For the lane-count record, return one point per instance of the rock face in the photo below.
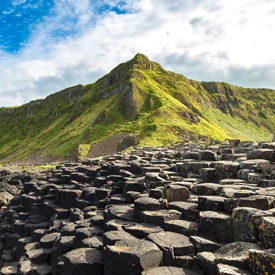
(152, 211)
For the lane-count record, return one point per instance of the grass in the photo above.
(137, 97)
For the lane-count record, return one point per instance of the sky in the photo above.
(49, 45)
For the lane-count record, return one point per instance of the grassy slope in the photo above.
(138, 97)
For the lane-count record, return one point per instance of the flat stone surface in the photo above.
(189, 210)
(172, 244)
(83, 261)
(171, 270)
(184, 227)
(223, 269)
(38, 256)
(111, 237)
(203, 244)
(83, 233)
(48, 240)
(159, 217)
(235, 254)
(123, 212)
(117, 224)
(142, 230)
(135, 253)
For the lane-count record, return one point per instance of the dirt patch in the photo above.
(106, 147)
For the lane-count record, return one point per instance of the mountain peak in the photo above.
(143, 61)
(141, 57)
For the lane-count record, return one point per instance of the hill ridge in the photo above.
(138, 97)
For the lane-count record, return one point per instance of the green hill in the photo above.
(138, 97)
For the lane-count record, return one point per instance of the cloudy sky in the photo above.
(48, 45)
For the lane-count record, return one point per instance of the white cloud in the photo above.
(18, 2)
(228, 41)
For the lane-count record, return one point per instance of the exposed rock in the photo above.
(141, 213)
(262, 261)
(83, 261)
(127, 141)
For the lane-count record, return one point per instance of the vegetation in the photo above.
(138, 97)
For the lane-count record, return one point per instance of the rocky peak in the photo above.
(143, 61)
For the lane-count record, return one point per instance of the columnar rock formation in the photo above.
(176, 210)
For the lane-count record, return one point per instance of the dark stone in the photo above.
(205, 189)
(68, 229)
(134, 184)
(68, 197)
(175, 192)
(123, 212)
(159, 217)
(262, 261)
(189, 210)
(267, 232)
(39, 256)
(211, 203)
(206, 155)
(216, 226)
(83, 261)
(101, 194)
(172, 244)
(246, 222)
(267, 154)
(155, 193)
(20, 248)
(136, 254)
(203, 244)
(83, 233)
(93, 242)
(224, 269)
(117, 224)
(48, 240)
(235, 254)
(184, 227)
(226, 169)
(111, 237)
(146, 204)
(171, 270)
(76, 215)
(142, 230)
(207, 174)
(207, 263)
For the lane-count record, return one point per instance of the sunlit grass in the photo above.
(137, 97)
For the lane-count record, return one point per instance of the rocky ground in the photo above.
(179, 210)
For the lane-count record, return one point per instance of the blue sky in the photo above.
(48, 45)
(18, 20)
